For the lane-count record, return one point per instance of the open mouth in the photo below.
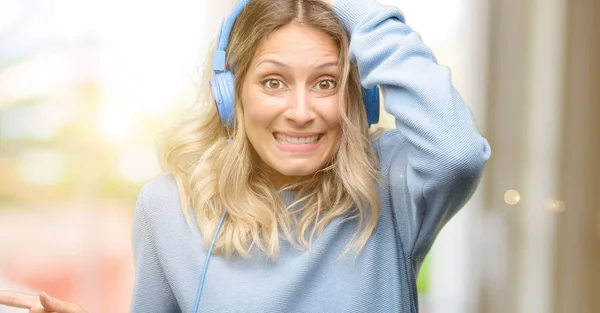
(285, 139)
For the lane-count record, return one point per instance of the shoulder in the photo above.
(161, 186)
(159, 198)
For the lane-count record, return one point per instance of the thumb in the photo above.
(55, 305)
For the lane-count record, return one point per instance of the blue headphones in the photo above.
(223, 88)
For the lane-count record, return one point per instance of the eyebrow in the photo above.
(279, 64)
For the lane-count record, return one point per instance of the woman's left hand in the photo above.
(38, 304)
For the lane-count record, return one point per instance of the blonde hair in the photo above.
(214, 176)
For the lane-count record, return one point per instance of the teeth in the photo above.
(296, 140)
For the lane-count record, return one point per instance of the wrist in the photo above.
(354, 13)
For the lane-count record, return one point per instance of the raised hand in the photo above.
(38, 304)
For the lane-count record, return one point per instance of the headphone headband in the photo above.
(219, 57)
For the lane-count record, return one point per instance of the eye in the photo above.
(273, 84)
(326, 84)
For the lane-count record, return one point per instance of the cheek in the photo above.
(259, 113)
(253, 107)
(329, 109)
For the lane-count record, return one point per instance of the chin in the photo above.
(297, 171)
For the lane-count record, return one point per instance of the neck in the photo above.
(279, 180)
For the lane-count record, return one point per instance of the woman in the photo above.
(302, 207)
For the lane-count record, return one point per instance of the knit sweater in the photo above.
(430, 166)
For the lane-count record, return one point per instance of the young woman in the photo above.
(297, 205)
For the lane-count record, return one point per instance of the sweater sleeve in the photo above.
(151, 292)
(434, 159)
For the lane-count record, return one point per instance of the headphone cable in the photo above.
(212, 244)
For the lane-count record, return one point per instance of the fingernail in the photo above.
(47, 296)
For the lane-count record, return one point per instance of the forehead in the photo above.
(298, 42)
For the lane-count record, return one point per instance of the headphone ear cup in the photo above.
(371, 100)
(223, 90)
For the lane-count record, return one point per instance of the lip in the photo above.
(297, 134)
(301, 148)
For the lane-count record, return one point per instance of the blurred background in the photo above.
(86, 85)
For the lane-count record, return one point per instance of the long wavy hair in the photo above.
(213, 175)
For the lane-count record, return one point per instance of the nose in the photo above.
(300, 109)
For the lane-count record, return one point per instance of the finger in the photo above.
(38, 310)
(56, 305)
(18, 300)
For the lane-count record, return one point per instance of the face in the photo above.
(290, 100)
